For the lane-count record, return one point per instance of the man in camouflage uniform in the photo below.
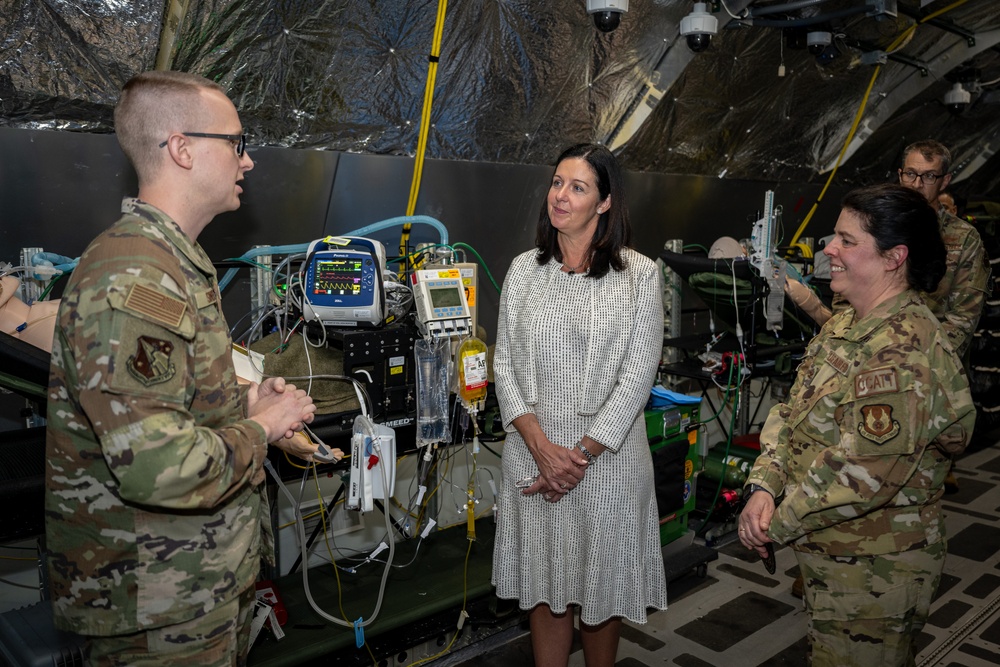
(959, 299)
(960, 296)
(857, 459)
(155, 510)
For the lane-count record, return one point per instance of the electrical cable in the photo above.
(746, 11)
(425, 122)
(462, 615)
(360, 623)
(8, 582)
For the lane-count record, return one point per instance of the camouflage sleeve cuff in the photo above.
(245, 400)
(769, 480)
(259, 430)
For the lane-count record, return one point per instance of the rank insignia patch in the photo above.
(877, 424)
(151, 362)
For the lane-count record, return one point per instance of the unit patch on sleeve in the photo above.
(151, 362)
(877, 423)
(873, 383)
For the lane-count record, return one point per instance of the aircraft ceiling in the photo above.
(518, 80)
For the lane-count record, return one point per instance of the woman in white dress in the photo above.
(579, 338)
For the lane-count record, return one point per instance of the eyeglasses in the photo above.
(239, 141)
(929, 177)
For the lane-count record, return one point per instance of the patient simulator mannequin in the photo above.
(33, 324)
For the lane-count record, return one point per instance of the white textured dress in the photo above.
(581, 354)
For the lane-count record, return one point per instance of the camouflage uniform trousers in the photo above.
(220, 638)
(866, 611)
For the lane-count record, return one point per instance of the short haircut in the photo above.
(930, 149)
(151, 106)
(894, 216)
(613, 228)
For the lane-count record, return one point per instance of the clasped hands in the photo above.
(284, 410)
(560, 470)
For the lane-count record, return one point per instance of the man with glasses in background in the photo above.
(959, 299)
(156, 512)
(960, 296)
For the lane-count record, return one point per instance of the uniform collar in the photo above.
(192, 250)
(856, 330)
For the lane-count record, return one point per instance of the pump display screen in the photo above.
(337, 277)
(448, 297)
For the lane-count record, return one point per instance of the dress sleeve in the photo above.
(509, 395)
(617, 414)
(902, 403)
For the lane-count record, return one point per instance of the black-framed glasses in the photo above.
(929, 177)
(239, 141)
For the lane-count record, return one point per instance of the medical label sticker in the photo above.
(475, 370)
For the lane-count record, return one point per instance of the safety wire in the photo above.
(425, 124)
(905, 35)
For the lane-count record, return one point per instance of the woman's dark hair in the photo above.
(894, 216)
(613, 229)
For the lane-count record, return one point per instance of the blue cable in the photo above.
(363, 231)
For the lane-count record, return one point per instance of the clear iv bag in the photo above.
(432, 357)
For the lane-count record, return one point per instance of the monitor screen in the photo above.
(337, 276)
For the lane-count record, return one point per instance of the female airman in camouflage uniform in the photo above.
(852, 466)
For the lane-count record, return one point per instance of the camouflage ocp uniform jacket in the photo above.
(153, 512)
(857, 456)
(959, 299)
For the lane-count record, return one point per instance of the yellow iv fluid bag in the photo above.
(472, 377)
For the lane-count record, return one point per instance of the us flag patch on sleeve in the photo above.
(155, 305)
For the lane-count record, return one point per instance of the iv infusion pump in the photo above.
(343, 283)
(442, 309)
